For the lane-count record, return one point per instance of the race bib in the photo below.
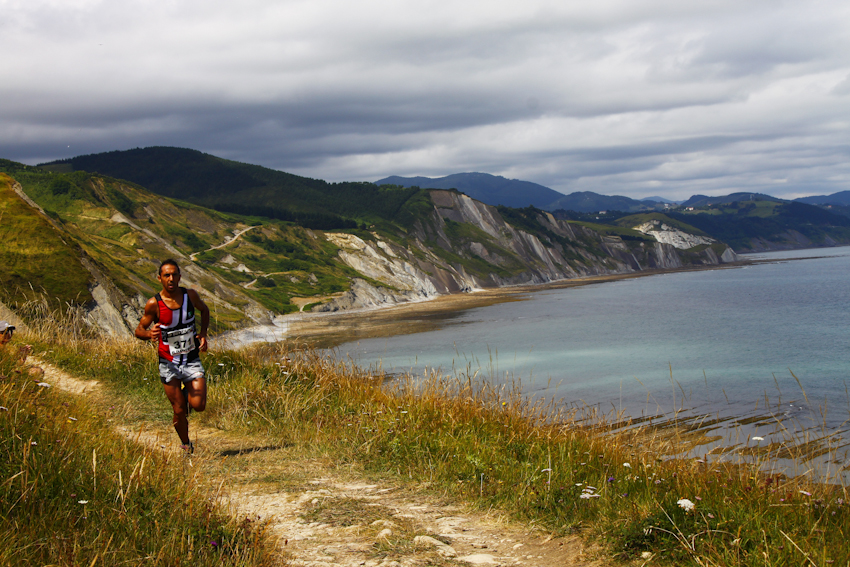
(180, 341)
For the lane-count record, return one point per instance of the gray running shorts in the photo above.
(169, 371)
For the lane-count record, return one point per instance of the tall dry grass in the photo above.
(75, 492)
(567, 471)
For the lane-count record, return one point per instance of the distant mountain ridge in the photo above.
(840, 198)
(664, 200)
(747, 221)
(704, 200)
(590, 202)
(497, 190)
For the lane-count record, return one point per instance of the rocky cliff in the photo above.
(465, 245)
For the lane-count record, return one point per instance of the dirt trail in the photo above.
(324, 515)
(226, 242)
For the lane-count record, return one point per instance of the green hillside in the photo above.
(698, 201)
(34, 257)
(230, 186)
(124, 231)
(637, 220)
(745, 224)
(589, 202)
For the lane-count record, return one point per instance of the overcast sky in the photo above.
(627, 97)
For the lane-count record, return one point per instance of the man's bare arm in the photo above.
(199, 304)
(148, 317)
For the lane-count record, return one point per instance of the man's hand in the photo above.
(155, 332)
(202, 343)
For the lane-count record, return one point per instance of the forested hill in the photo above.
(747, 222)
(230, 186)
(491, 189)
(768, 224)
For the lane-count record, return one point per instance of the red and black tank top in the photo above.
(177, 342)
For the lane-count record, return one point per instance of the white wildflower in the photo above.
(758, 438)
(44, 384)
(627, 465)
(685, 504)
(588, 493)
(82, 501)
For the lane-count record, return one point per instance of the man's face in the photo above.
(169, 277)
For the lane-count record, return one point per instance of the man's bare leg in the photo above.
(178, 404)
(196, 393)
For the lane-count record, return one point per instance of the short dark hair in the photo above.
(171, 262)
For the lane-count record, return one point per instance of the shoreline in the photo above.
(329, 330)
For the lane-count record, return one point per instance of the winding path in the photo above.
(326, 514)
(229, 240)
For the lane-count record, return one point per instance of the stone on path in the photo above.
(480, 559)
(442, 548)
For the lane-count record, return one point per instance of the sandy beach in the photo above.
(327, 330)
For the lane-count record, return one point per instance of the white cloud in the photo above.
(611, 96)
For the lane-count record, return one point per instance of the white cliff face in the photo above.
(545, 262)
(670, 235)
(103, 315)
(379, 262)
(729, 255)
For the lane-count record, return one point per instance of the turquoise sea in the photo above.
(722, 342)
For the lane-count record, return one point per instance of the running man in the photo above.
(172, 312)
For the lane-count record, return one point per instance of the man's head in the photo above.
(169, 262)
(169, 275)
(6, 331)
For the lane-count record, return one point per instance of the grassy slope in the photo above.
(636, 220)
(77, 493)
(739, 223)
(495, 450)
(33, 253)
(283, 257)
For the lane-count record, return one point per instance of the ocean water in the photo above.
(770, 337)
